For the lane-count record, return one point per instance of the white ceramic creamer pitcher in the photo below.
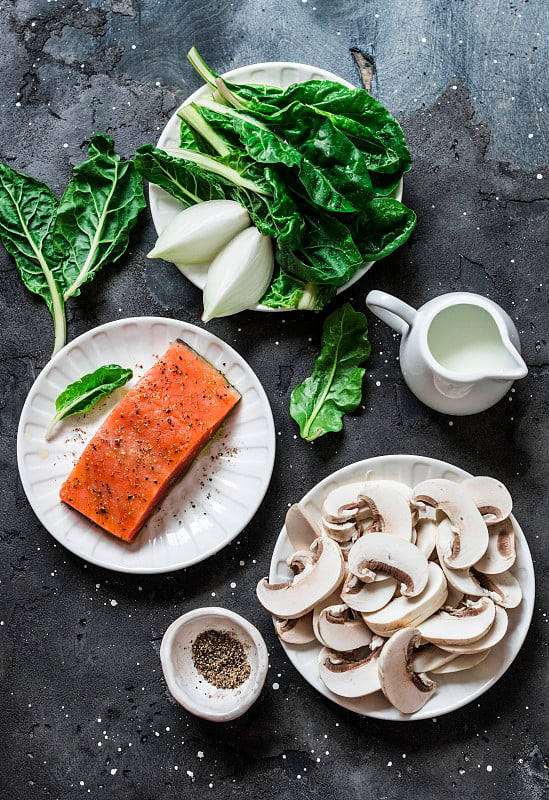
(460, 352)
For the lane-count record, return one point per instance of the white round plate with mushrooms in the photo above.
(445, 586)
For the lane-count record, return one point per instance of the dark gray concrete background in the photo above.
(85, 711)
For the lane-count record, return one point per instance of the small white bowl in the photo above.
(189, 687)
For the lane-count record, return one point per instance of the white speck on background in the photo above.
(200, 754)
(539, 176)
(114, 771)
(276, 686)
(488, 768)
(114, 603)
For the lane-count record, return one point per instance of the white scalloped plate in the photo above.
(164, 207)
(206, 508)
(454, 690)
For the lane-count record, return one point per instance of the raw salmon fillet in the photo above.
(148, 440)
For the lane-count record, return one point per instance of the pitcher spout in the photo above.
(514, 367)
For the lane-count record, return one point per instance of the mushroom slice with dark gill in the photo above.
(406, 690)
(392, 557)
(352, 674)
(296, 631)
(342, 629)
(470, 534)
(462, 626)
(490, 496)
(317, 580)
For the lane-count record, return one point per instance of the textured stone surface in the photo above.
(85, 711)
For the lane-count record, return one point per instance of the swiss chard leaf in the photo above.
(320, 142)
(346, 106)
(335, 386)
(381, 227)
(84, 393)
(287, 292)
(327, 254)
(183, 180)
(96, 213)
(267, 147)
(27, 217)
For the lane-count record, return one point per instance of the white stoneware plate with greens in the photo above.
(453, 690)
(164, 207)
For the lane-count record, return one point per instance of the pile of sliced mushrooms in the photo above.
(398, 582)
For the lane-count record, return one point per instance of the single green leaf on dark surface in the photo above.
(182, 179)
(84, 393)
(384, 225)
(335, 386)
(96, 213)
(27, 217)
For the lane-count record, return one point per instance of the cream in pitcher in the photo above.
(460, 352)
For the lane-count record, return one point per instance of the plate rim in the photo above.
(270, 439)
(156, 192)
(524, 626)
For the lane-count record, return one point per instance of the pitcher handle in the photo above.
(391, 310)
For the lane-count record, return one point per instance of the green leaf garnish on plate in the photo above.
(84, 393)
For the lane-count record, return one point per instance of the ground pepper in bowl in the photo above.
(221, 659)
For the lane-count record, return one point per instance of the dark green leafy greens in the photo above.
(315, 166)
(59, 247)
(27, 217)
(84, 393)
(96, 213)
(335, 386)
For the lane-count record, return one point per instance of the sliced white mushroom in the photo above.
(428, 657)
(342, 503)
(317, 580)
(301, 528)
(494, 635)
(333, 599)
(404, 612)
(296, 631)
(341, 531)
(390, 510)
(392, 557)
(460, 663)
(500, 555)
(341, 629)
(470, 534)
(462, 580)
(350, 674)
(490, 496)
(504, 589)
(462, 626)
(426, 532)
(367, 597)
(407, 690)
